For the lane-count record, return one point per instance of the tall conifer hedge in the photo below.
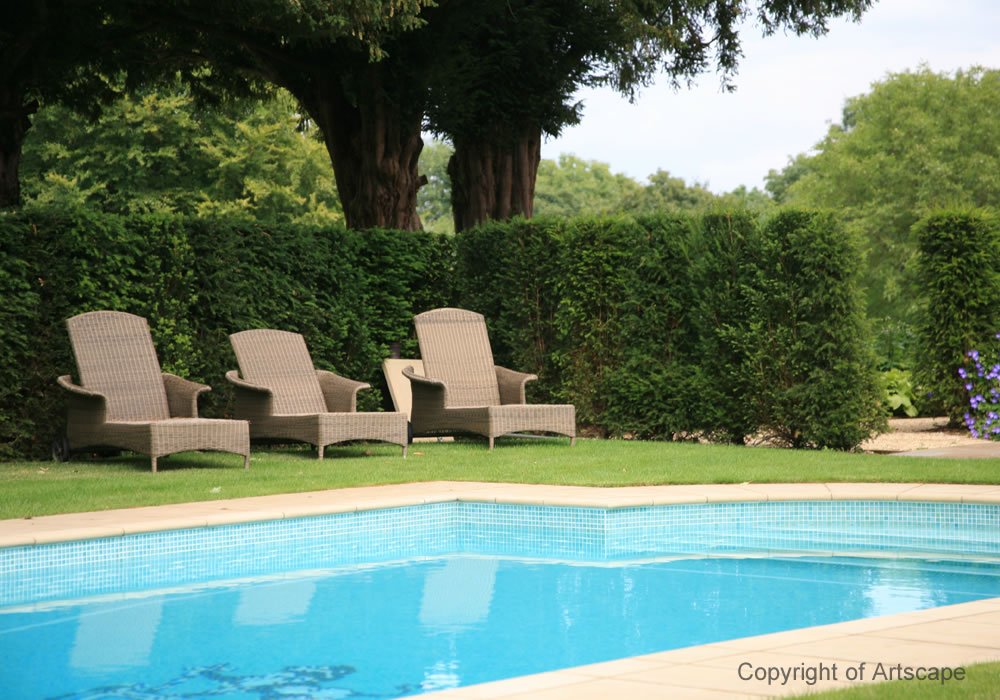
(663, 327)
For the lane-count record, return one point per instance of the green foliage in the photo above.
(592, 292)
(813, 375)
(162, 151)
(900, 393)
(894, 343)
(434, 198)
(572, 187)
(760, 204)
(662, 327)
(728, 254)
(668, 194)
(652, 392)
(568, 187)
(957, 270)
(918, 141)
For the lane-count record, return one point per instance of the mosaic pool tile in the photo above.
(150, 560)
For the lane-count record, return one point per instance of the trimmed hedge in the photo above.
(811, 374)
(957, 268)
(197, 281)
(664, 327)
(669, 327)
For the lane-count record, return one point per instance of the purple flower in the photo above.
(968, 386)
(974, 354)
(962, 373)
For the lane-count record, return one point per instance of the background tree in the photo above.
(434, 198)
(917, 141)
(669, 194)
(161, 151)
(572, 186)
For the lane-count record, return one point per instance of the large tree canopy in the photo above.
(326, 52)
(514, 66)
(334, 56)
(917, 141)
(491, 76)
(46, 50)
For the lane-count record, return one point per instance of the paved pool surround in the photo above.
(946, 637)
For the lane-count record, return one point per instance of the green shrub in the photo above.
(813, 374)
(651, 393)
(662, 327)
(901, 399)
(728, 256)
(959, 280)
(592, 293)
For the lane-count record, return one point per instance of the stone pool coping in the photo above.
(950, 636)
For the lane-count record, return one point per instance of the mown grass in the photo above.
(982, 682)
(30, 489)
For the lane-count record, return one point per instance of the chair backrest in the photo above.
(280, 361)
(455, 349)
(115, 356)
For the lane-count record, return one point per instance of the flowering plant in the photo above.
(982, 382)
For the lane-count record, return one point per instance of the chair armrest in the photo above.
(87, 409)
(182, 395)
(66, 382)
(512, 384)
(252, 400)
(426, 391)
(340, 393)
(233, 376)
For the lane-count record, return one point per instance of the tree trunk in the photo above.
(14, 125)
(374, 143)
(494, 179)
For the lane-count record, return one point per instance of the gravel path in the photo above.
(906, 434)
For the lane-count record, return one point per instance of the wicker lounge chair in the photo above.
(125, 401)
(463, 391)
(284, 396)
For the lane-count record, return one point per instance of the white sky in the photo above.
(789, 89)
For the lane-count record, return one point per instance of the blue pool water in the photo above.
(402, 601)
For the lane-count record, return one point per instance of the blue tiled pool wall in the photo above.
(153, 560)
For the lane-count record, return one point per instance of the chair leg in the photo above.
(572, 441)
(491, 443)
(60, 448)
(246, 461)
(319, 452)
(153, 459)
(404, 451)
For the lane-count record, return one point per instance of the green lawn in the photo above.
(85, 484)
(982, 681)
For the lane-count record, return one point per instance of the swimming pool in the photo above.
(254, 578)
